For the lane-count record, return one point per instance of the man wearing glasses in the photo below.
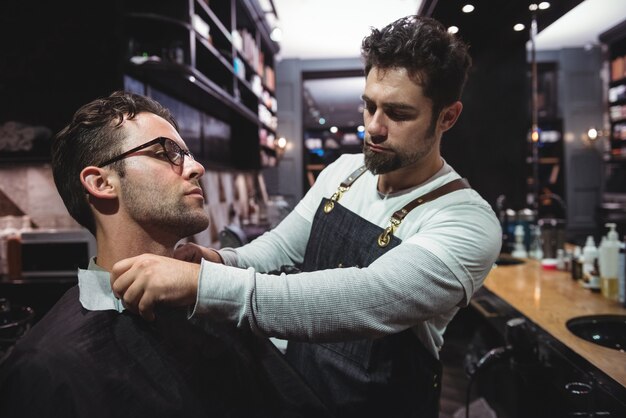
(125, 174)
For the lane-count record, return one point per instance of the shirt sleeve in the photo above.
(387, 297)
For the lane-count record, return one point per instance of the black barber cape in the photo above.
(80, 363)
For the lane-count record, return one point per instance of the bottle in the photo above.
(560, 259)
(536, 250)
(590, 264)
(567, 260)
(7, 230)
(519, 249)
(577, 263)
(609, 262)
(602, 248)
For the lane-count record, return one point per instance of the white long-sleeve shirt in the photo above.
(448, 247)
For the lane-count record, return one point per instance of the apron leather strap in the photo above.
(344, 187)
(399, 215)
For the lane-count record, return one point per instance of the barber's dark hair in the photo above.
(94, 135)
(433, 57)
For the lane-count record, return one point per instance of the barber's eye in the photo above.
(398, 116)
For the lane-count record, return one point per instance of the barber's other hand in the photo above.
(194, 253)
(146, 280)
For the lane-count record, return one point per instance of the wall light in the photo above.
(333, 129)
(281, 142)
(593, 134)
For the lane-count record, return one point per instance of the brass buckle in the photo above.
(385, 237)
(330, 205)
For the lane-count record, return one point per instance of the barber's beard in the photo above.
(150, 208)
(386, 162)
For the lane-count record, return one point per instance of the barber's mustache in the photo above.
(375, 139)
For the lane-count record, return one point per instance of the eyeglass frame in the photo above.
(159, 140)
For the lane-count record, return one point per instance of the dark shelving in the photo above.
(75, 52)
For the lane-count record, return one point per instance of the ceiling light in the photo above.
(532, 7)
(468, 8)
(544, 5)
(322, 121)
(277, 34)
(361, 128)
(453, 29)
(519, 27)
(333, 129)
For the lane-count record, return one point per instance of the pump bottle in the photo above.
(590, 264)
(609, 263)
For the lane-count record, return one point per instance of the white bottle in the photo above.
(609, 264)
(519, 249)
(590, 264)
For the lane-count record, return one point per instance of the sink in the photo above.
(605, 330)
(507, 260)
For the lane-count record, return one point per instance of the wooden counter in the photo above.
(549, 298)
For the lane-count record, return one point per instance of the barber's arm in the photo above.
(412, 282)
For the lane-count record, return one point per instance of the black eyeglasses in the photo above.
(174, 153)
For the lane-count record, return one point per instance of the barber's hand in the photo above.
(194, 253)
(147, 280)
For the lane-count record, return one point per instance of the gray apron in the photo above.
(389, 376)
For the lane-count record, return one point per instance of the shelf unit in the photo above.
(615, 39)
(613, 207)
(218, 58)
(550, 162)
(211, 62)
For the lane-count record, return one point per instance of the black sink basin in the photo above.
(605, 330)
(507, 260)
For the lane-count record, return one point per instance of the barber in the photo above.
(390, 242)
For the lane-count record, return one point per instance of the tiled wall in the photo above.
(31, 188)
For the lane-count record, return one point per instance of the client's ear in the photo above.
(99, 182)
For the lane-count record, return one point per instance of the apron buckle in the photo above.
(330, 205)
(385, 237)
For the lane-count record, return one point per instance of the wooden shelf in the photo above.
(208, 79)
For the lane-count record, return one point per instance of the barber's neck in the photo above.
(410, 176)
